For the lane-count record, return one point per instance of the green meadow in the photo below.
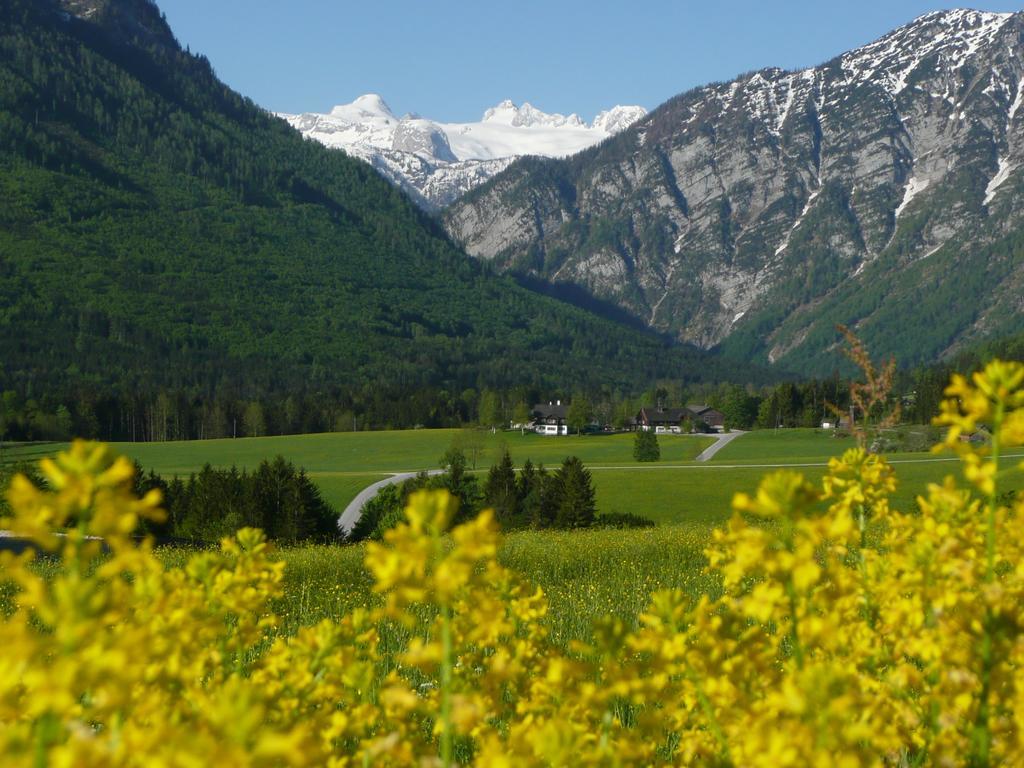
(772, 446)
(343, 463)
(585, 575)
(673, 490)
(387, 451)
(395, 451)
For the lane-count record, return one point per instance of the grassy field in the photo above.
(399, 451)
(702, 495)
(343, 463)
(585, 575)
(770, 446)
(812, 445)
(675, 490)
(396, 451)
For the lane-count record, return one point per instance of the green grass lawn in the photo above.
(394, 451)
(702, 495)
(772, 446)
(673, 490)
(343, 463)
(399, 451)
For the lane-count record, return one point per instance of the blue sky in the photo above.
(451, 59)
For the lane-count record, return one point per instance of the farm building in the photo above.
(550, 419)
(662, 419)
(710, 416)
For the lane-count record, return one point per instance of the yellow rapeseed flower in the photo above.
(838, 631)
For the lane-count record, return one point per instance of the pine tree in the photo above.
(526, 481)
(576, 504)
(645, 446)
(533, 496)
(500, 492)
(320, 519)
(459, 483)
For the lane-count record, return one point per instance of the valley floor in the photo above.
(677, 489)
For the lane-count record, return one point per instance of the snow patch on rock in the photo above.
(955, 35)
(1002, 174)
(914, 187)
(799, 219)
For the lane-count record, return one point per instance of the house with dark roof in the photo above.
(550, 419)
(660, 419)
(710, 416)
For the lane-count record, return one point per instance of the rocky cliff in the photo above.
(881, 189)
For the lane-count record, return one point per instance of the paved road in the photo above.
(350, 516)
(781, 465)
(720, 442)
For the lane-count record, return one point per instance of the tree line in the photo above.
(66, 410)
(212, 503)
(533, 497)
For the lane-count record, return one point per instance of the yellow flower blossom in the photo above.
(838, 631)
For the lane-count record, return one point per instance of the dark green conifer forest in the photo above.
(173, 257)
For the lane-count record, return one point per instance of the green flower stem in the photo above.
(982, 736)
(446, 687)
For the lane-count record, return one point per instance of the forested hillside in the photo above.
(163, 239)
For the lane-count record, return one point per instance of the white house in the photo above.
(550, 419)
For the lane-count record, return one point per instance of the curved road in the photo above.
(350, 516)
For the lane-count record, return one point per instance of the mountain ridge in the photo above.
(436, 162)
(756, 213)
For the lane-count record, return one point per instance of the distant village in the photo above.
(552, 418)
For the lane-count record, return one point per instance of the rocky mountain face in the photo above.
(882, 190)
(436, 163)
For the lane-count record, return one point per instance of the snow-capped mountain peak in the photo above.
(952, 36)
(437, 161)
(528, 116)
(504, 113)
(369, 107)
(617, 118)
(892, 170)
